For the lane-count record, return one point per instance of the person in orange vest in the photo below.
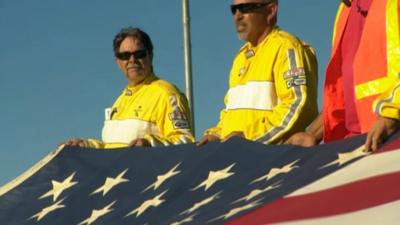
(362, 84)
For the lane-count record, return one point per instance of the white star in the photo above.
(48, 210)
(257, 192)
(276, 171)
(111, 183)
(58, 187)
(235, 211)
(162, 178)
(214, 176)
(97, 214)
(156, 201)
(200, 204)
(187, 220)
(346, 157)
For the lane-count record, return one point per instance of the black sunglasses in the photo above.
(247, 7)
(139, 54)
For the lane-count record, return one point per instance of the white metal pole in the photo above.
(188, 57)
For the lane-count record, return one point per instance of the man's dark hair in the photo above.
(135, 33)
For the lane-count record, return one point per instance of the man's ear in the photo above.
(272, 14)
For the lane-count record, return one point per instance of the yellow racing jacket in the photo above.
(272, 90)
(154, 110)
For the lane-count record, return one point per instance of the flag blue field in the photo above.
(237, 182)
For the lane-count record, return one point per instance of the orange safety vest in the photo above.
(376, 68)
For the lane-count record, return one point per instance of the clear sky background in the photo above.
(57, 69)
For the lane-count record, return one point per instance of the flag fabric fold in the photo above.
(237, 182)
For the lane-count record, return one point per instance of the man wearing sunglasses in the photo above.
(273, 81)
(150, 111)
(362, 84)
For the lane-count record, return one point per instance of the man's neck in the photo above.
(261, 37)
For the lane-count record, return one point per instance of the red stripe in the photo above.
(343, 199)
(391, 146)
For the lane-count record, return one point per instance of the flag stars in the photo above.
(202, 203)
(162, 178)
(156, 201)
(346, 157)
(111, 183)
(276, 171)
(96, 214)
(257, 192)
(235, 211)
(40, 215)
(59, 187)
(187, 220)
(215, 176)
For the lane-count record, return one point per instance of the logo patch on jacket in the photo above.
(128, 92)
(177, 117)
(249, 53)
(295, 77)
(182, 124)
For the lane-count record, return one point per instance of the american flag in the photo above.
(236, 182)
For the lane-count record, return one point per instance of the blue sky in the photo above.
(57, 70)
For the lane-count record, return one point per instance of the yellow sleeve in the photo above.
(94, 143)
(173, 121)
(295, 79)
(388, 104)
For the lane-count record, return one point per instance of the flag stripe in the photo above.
(343, 199)
(383, 214)
(390, 146)
(258, 185)
(376, 164)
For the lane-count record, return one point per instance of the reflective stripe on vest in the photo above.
(393, 49)
(381, 85)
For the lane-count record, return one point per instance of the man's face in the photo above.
(252, 23)
(135, 66)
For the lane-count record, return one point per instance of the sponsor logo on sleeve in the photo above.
(179, 120)
(177, 117)
(295, 77)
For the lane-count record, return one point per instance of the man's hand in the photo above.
(77, 142)
(207, 138)
(381, 129)
(234, 134)
(139, 142)
(303, 139)
(308, 138)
